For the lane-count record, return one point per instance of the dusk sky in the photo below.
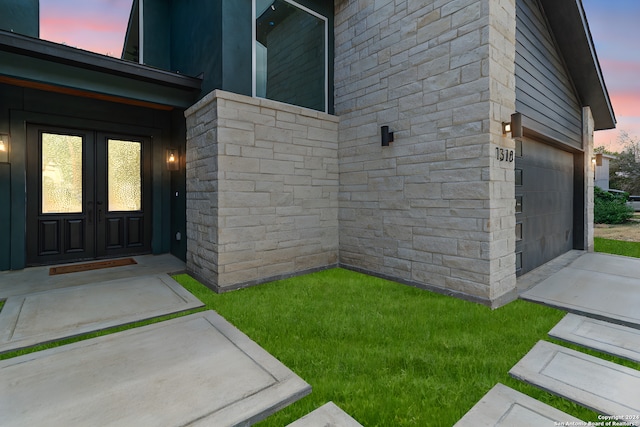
(99, 26)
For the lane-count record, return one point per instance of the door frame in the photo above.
(161, 178)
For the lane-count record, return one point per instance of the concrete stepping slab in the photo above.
(328, 415)
(195, 370)
(37, 279)
(506, 407)
(602, 286)
(609, 338)
(27, 320)
(599, 385)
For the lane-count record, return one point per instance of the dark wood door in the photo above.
(87, 196)
(123, 190)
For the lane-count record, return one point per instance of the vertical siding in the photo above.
(544, 91)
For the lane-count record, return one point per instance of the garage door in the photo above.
(544, 204)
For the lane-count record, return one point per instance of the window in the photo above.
(518, 173)
(98, 26)
(290, 54)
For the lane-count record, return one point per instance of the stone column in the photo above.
(589, 167)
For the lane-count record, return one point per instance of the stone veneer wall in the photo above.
(588, 127)
(262, 190)
(435, 209)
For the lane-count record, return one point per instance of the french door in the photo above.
(88, 195)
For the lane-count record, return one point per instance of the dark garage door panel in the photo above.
(547, 203)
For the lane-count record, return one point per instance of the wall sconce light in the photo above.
(4, 147)
(598, 159)
(387, 136)
(173, 159)
(506, 128)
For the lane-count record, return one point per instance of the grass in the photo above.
(387, 354)
(617, 247)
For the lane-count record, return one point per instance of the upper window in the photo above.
(97, 26)
(290, 54)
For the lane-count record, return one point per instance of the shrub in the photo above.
(611, 208)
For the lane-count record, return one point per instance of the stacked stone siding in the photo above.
(435, 208)
(262, 185)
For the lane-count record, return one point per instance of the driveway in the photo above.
(597, 285)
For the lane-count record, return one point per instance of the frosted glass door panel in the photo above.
(124, 175)
(61, 173)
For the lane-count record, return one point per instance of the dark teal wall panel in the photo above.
(196, 40)
(157, 41)
(5, 216)
(236, 46)
(20, 16)
(179, 188)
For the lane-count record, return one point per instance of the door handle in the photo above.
(99, 211)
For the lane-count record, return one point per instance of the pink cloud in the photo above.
(626, 103)
(98, 26)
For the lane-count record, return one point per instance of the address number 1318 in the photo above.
(504, 154)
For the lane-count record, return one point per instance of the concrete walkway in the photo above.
(596, 285)
(193, 370)
(504, 406)
(40, 317)
(196, 370)
(606, 290)
(36, 279)
(602, 386)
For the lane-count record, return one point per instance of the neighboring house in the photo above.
(281, 169)
(602, 162)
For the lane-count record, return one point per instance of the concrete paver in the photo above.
(609, 338)
(26, 320)
(37, 279)
(196, 369)
(600, 385)
(596, 285)
(328, 415)
(503, 406)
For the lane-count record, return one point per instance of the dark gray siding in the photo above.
(544, 91)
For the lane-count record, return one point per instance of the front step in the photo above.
(602, 386)
(328, 415)
(504, 406)
(609, 338)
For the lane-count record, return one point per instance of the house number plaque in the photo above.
(504, 154)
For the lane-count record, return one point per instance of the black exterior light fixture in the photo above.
(173, 159)
(514, 126)
(387, 136)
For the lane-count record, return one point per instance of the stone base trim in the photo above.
(423, 286)
(222, 289)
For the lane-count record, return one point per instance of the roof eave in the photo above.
(58, 53)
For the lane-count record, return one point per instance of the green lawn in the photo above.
(617, 247)
(388, 354)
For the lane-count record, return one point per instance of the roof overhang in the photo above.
(40, 64)
(570, 28)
